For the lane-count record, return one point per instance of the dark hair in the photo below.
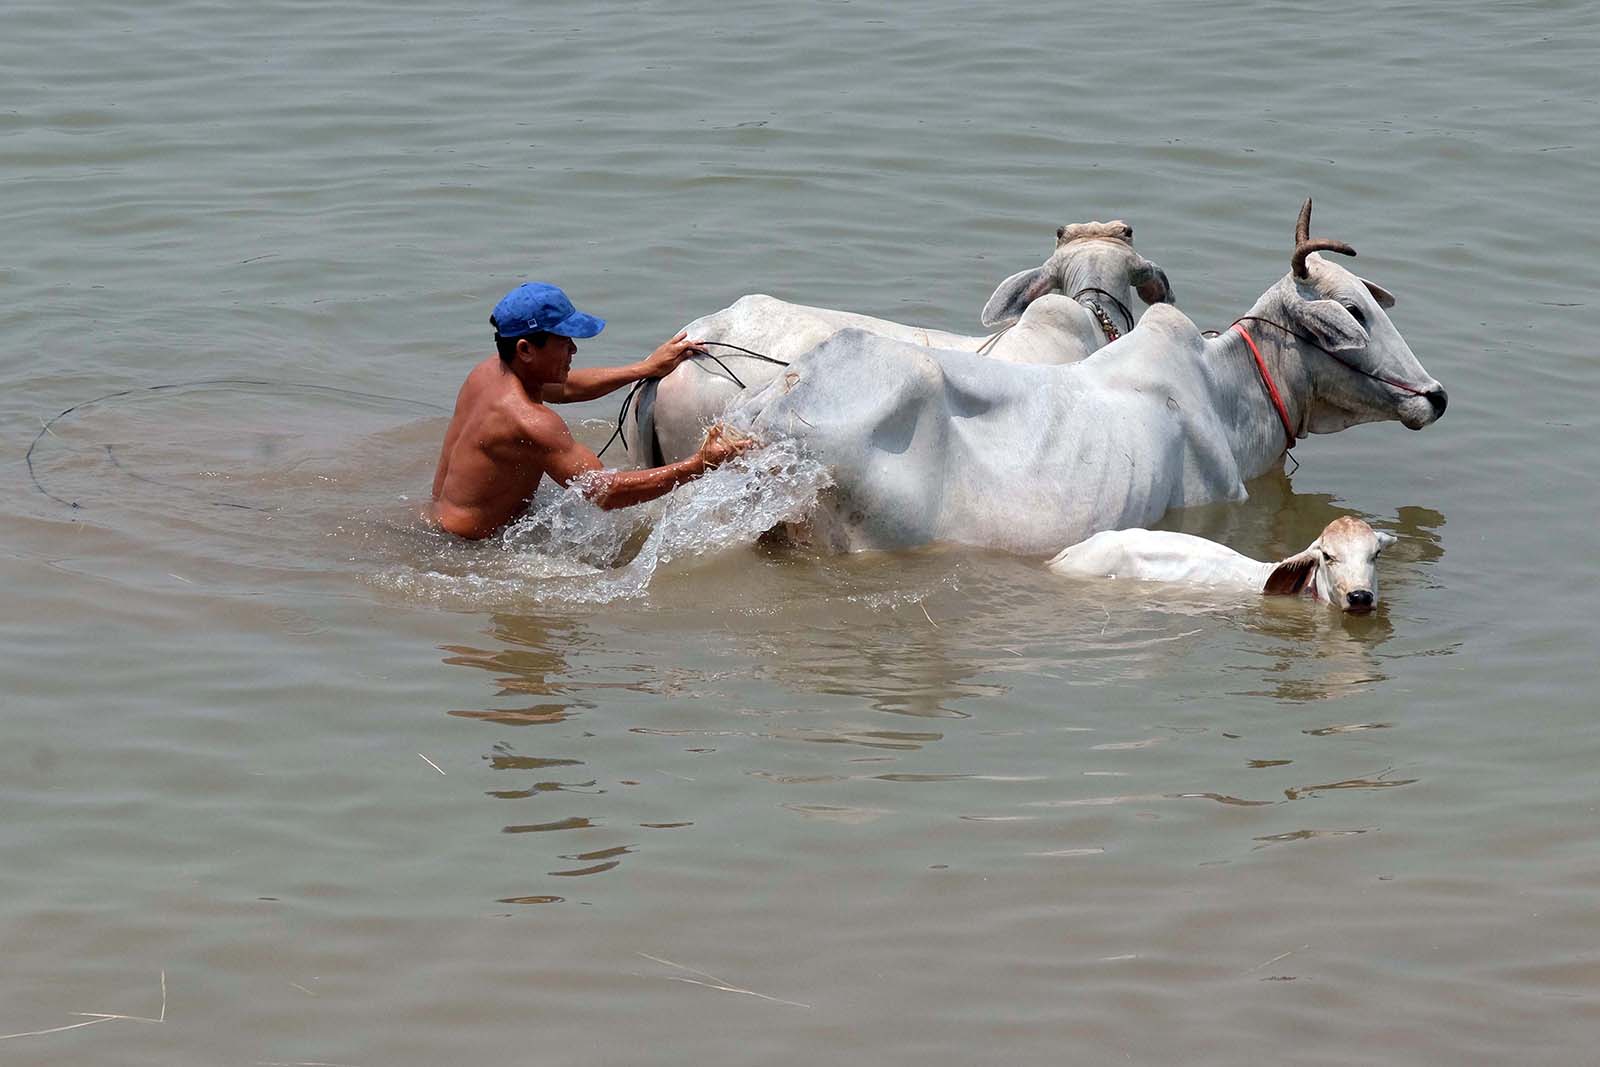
(507, 346)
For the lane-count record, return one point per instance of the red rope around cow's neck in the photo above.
(1272, 388)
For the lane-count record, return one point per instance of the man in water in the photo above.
(502, 438)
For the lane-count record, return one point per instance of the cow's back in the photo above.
(700, 390)
(1157, 555)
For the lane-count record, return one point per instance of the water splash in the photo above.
(564, 549)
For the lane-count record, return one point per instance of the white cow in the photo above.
(1058, 312)
(927, 445)
(1337, 568)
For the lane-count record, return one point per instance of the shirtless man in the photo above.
(502, 438)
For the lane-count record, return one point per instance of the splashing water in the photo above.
(565, 549)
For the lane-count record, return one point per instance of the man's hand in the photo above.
(665, 360)
(722, 444)
(593, 382)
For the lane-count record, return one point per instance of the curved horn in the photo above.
(1302, 228)
(1297, 262)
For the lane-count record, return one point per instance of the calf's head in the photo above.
(1088, 255)
(1338, 568)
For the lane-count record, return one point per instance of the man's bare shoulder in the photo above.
(501, 407)
(486, 379)
(537, 423)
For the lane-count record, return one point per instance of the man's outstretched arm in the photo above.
(593, 382)
(564, 459)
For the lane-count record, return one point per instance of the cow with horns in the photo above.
(929, 445)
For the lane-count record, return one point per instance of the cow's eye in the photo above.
(1329, 558)
(1357, 314)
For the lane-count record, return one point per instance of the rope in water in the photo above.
(198, 383)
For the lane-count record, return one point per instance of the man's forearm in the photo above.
(621, 489)
(592, 382)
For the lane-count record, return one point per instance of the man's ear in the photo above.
(1290, 577)
(1013, 295)
(1329, 324)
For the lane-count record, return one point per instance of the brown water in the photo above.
(305, 785)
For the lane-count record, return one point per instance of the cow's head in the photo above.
(1088, 255)
(1338, 568)
(1361, 369)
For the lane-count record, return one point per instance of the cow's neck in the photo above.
(1101, 277)
(1249, 417)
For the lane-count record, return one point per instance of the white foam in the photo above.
(567, 550)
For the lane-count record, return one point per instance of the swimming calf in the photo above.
(1336, 569)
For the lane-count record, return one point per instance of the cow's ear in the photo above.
(1329, 324)
(1385, 539)
(1383, 296)
(1151, 281)
(1290, 577)
(1014, 295)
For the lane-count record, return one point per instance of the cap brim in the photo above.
(578, 324)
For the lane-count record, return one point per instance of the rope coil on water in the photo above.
(332, 390)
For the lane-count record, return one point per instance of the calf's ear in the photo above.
(1290, 577)
(1151, 282)
(1014, 295)
(1385, 539)
(1329, 324)
(1384, 298)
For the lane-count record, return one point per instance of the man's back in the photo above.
(488, 467)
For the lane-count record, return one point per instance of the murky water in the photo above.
(306, 784)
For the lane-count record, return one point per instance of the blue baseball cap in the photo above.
(539, 306)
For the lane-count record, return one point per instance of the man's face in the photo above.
(553, 359)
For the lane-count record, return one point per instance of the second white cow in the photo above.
(1058, 312)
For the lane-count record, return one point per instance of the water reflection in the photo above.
(597, 862)
(1277, 522)
(1378, 781)
(1418, 530)
(537, 655)
(534, 715)
(770, 669)
(909, 668)
(1313, 655)
(533, 659)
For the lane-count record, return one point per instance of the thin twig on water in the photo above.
(1275, 959)
(715, 982)
(52, 1030)
(432, 764)
(93, 1017)
(925, 615)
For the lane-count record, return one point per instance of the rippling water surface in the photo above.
(304, 784)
